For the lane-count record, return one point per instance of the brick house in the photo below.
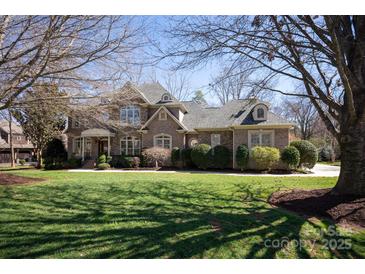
(159, 119)
(23, 148)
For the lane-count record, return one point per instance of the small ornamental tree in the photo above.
(242, 156)
(41, 120)
(308, 153)
(200, 155)
(55, 155)
(290, 156)
(156, 157)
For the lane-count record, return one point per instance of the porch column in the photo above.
(83, 148)
(108, 145)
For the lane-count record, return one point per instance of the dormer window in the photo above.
(259, 113)
(166, 97)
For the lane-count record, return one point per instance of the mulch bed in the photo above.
(10, 179)
(347, 210)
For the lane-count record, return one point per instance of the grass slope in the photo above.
(145, 215)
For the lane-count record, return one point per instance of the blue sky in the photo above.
(199, 77)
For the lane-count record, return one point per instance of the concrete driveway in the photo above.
(318, 171)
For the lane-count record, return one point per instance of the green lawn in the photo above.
(335, 163)
(114, 215)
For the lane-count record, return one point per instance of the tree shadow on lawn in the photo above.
(158, 220)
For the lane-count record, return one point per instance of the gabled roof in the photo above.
(168, 113)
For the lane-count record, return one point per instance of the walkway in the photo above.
(318, 171)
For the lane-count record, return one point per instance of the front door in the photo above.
(103, 147)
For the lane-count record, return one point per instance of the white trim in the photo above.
(134, 138)
(211, 139)
(255, 114)
(169, 113)
(261, 131)
(162, 117)
(162, 135)
(133, 108)
(169, 98)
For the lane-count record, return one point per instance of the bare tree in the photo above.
(178, 85)
(323, 53)
(80, 53)
(304, 114)
(6, 115)
(232, 83)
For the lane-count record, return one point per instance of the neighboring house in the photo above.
(23, 148)
(155, 118)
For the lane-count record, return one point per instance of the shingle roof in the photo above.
(4, 125)
(235, 112)
(154, 92)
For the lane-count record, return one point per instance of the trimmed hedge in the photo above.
(73, 162)
(265, 157)
(131, 162)
(175, 156)
(200, 155)
(103, 166)
(186, 157)
(242, 156)
(102, 159)
(220, 157)
(290, 156)
(308, 153)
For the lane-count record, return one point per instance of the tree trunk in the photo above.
(352, 144)
(39, 158)
(11, 146)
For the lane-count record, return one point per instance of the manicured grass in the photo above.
(145, 215)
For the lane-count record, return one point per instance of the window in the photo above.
(163, 140)
(130, 145)
(18, 138)
(215, 140)
(77, 146)
(76, 124)
(105, 116)
(130, 115)
(162, 115)
(193, 142)
(260, 138)
(260, 113)
(166, 97)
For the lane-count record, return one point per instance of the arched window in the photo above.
(130, 145)
(260, 113)
(162, 140)
(166, 97)
(162, 115)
